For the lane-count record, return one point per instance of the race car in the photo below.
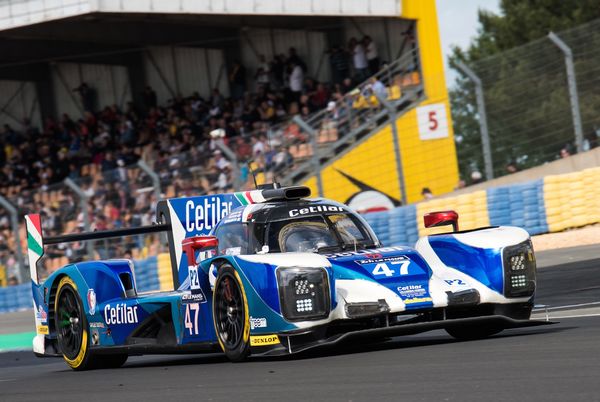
(273, 272)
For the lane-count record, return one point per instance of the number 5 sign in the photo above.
(433, 122)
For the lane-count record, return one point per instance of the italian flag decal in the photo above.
(35, 248)
(249, 197)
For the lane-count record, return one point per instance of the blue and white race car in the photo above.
(270, 272)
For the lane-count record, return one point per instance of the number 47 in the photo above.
(383, 269)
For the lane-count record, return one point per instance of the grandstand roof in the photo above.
(16, 13)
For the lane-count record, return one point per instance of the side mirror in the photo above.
(441, 218)
(197, 243)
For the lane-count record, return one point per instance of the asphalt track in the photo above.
(559, 362)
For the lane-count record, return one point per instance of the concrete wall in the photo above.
(574, 163)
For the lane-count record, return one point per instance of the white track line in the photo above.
(573, 316)
(563, 307)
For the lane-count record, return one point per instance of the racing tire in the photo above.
(230, 314)
(71, 326)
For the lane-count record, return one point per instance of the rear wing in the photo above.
(36, 241)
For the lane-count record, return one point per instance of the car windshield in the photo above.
(317, 234)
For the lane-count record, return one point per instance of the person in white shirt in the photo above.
(296, 81)
(359, 60)
(372, 55)
(262, 75)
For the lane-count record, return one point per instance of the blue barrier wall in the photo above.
(519, 205)
(14, 298)
(395, 227)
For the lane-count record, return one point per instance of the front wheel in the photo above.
(230, 314)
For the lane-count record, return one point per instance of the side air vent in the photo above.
(127, 284)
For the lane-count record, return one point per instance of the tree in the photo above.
(524, 82)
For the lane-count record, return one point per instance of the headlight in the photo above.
(303, 293)
(519, 270)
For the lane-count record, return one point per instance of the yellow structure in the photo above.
(428, 163)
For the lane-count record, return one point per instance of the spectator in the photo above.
(511, 167)
(294, 59)
(564, 153)
(237, 80)
(476, 177)
(426, 193)
(150, 100)
(262, 76)
(359, 60)
(372, 55)
(296, 80)
(338, 61)
(87, 95)
(377, 88)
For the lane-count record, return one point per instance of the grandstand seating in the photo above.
(538, 206)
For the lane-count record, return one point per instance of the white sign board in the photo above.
(432, 121)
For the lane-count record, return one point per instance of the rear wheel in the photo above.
(71, 326)
(230, 314)
(73, 333)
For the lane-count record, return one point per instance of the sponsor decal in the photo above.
(260, 322)
(41, 314)
(455, 282)
(381, 259)
(43, 329)
(366, 252)
(91, 299)
(205, 215)
(120, 314)
(95, 337)
(193, 298)
(233, 217)
(313, 209)
(418, 300)
(411, 291)
(96, 325)
(264, 340)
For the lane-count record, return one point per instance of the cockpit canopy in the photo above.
(309, 227)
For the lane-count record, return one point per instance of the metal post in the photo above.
(572, 82)
(83, 200)
(315, 158)
(21, 272)
(237, 183)
(153, 176)
(485, 135)
(398, 154)
(157, 194)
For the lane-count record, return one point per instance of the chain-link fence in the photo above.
(534, 104)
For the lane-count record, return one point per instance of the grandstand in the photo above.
(89, 89)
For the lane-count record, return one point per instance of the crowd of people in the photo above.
(96, 150)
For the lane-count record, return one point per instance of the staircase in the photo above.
(328, 134)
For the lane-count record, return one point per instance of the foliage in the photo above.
(523, 74)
